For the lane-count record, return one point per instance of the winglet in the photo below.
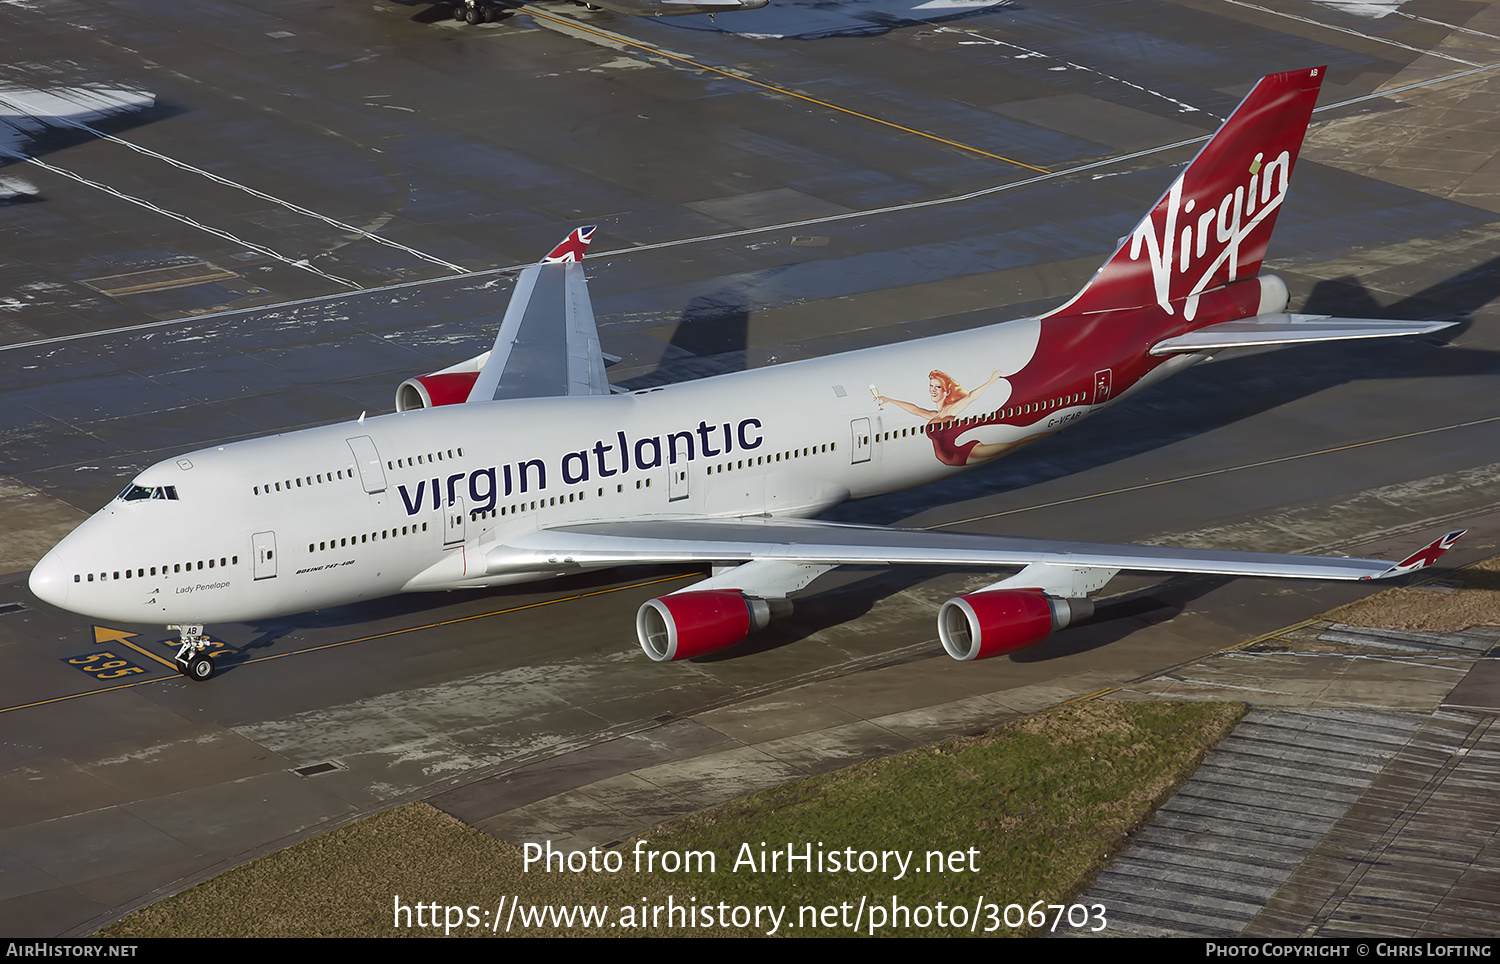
(1423, 557)
(573, 247)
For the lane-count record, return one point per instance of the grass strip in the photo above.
(1466, 597)
(1028, 812)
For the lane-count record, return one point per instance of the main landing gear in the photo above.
(192, 656)
(475, 12)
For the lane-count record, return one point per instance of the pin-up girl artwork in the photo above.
(949, 401)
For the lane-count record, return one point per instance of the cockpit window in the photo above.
(135, 492)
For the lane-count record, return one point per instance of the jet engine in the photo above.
(995, 623)
(688, 624)
(447, 387)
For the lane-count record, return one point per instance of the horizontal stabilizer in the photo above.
(548, 343)
(826, 543)
(1266, 330)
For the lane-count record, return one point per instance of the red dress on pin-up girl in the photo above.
(944, 427)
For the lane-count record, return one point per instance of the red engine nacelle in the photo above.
(985, 624)
(688, 624)
(437, 388)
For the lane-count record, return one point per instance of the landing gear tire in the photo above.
(192, 655)
(458, 13)
(199, 669)
(473, 17)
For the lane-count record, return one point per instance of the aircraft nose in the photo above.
(51, 579)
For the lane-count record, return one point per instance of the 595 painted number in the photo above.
(104, 666)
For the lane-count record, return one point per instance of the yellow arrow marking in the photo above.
(103, 634)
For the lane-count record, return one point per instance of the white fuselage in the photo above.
(311, 519)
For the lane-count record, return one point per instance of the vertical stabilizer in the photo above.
(1213, 224)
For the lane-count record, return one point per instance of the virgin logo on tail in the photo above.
(1213, 224)
(1226, 224)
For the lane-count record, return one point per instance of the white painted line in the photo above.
(725, 235)
(1450, 26)
(1351, 32)
(1028, 52)
(184, 166)
(183, 218)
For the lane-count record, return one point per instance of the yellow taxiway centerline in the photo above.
(615, 38)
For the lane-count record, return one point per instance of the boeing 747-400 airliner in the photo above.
(521, 464)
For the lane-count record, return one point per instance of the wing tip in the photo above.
(1423, 557)
(573, 247)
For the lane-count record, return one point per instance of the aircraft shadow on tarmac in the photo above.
(439, 12)
(781, 20)
(40, 134)
(1117, 617)
(711, 338)
(392, 614)
(1211, 396)
(827, 19)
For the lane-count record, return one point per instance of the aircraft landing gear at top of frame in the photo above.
(475, 12)
(192, 657)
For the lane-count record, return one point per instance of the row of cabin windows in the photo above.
(223, 561)
(520, 507)
(310, 480)
(450, 454)
(809, 451)
(1011, 412)
(341, 474)
(363, 538)
(431, 457)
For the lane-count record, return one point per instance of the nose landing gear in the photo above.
(192, 658)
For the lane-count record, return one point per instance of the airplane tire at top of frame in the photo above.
(985, 624)
(688, 624)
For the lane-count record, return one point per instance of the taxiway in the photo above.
(322, 203)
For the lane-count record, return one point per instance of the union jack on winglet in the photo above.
(1423, 557)
(573, 247)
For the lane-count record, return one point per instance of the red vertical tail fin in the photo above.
(1213, 224)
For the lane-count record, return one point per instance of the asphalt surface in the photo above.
(322, 201)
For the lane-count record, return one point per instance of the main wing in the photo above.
(829, 544)
(777, 557)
